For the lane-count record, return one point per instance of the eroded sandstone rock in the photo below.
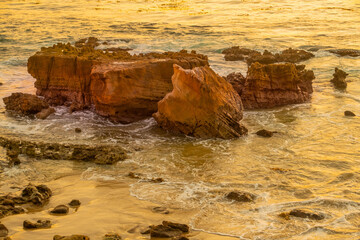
(273, 85)
(3, 230)
(202, 104)
(36, 195)
(61, 209)
(24, 104)
(121, 86)
(339, 79)
(39, 224)
(99, 154)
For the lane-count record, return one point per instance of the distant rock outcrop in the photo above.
(339, 79)
(202, 104)
(273, 85)
(346, 52)
(251, 56)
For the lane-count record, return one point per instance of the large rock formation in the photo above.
(124, 87)
(202, 104)
(250, 56)
(273, 85)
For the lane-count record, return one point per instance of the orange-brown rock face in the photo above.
(123, 87)
(273, 85)
(130, 91)
(201, 104)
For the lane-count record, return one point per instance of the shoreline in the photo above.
(96, 215)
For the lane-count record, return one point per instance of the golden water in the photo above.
(317, 148)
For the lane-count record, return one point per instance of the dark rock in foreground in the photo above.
(162, 210)
(346, 52)
(36, 195)
(250, 56)
(61, 209)
(241, 196)
(264, 133)
(349, 114)
(75, 203)
(112, 236)
(273, 85)
(72, 237)
(202, 104)
(24, 104)
(40, 224)
(339, 79)
(100, 154)
(167, 230)
(3, 230)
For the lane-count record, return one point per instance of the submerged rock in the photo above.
(162, 210)
(241, 196)
(339, 79)
(251, 56)
(167, 230)
(99, 154)
(121, 86)
(75, 203)
(72, 237)
(349, 114)
(78, 130)
(202, 104)
(346, 52)
(264, 133)
(303, 213)
(3, 230)
(45, 113)
(90, 42)
(61, 209)
(24, 104)
(273, 85)
(40, 224)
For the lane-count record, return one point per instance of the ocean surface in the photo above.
(313, 162)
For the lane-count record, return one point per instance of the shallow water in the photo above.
(312, 163)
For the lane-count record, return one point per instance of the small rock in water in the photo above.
(39, 224)
(78, 130)
(241, 196)
(304, 213)
(75, 203)
(3, 230)
(349, 114)
(157, 180)
(265, 133)
(112, 236)
(72, 237)
(346, 52)
(339, 79)
(303, 193)
(24, 103)
(1, 83)
(133, 175)
(162, 210)
(61, 209)
(43, 114)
